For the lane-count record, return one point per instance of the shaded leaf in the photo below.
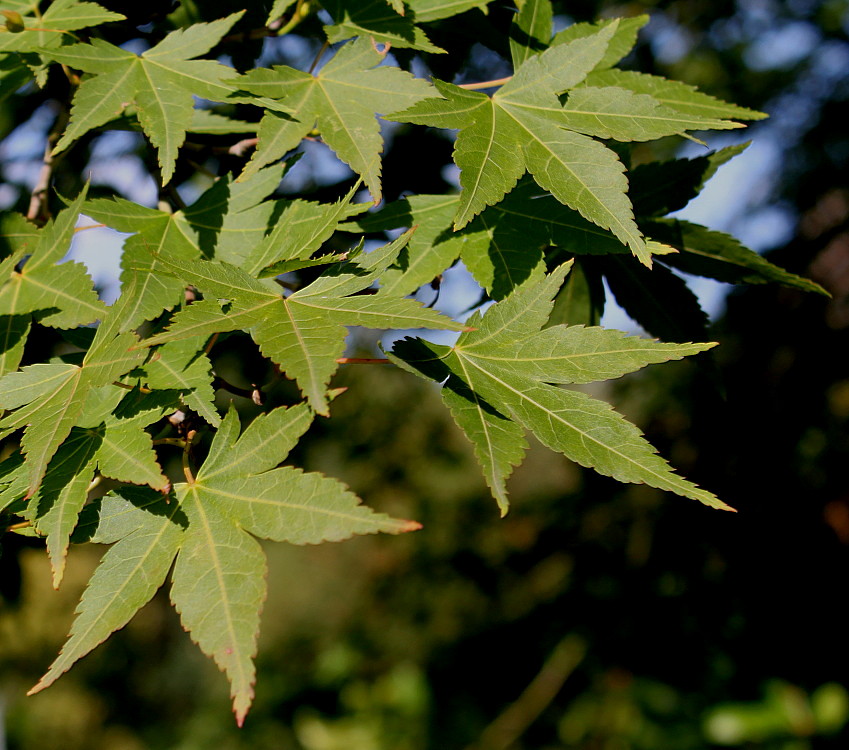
(716, 255)
(375, 19)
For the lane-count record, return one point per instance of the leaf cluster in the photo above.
(117, 437)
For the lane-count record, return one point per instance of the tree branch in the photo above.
(38, 211)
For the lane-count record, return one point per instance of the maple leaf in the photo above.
(577, 170)
(341, 101)
(500, 377)
(555, 144)
(14, 330)
(304, 333)
(162, 83)
(60, 295)
(716, 255)
(210, 525)
(672, 95)
(184, 366)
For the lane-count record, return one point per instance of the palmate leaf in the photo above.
(116, 444)
(304, 333)
(184, 366)
(555, 148)
(218, 582)
(658, 300)
(375, 19)
(578, 171)
(505, 367)
(716, 255)
(531, 32)
(13, 335)
(161, 83)
(659, 188)
(341, 101)
(47, 29)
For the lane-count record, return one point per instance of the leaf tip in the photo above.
(409, 526)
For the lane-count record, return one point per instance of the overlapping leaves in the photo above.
(554, 139)
(304, 332)
(89, 412)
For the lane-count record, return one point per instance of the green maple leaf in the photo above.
(210, 525)
(50, 399)
(716, 255)
(500, 378)
(341, 101)
(520, 128)
(14, 330)
(372, 18)
(304, 333)
(621, 43)
(161, 83)
(659, 188)
(531, 32)
(60, 295)
(523, 126)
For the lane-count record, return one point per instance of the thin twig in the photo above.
(485, 84)
(89, 226)
(178, 442)
(536, 697)
(19, 526)
(239, 149)
(254, 394)
(318, 57)
(187, 468)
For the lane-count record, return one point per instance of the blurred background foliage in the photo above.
(595, 615)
